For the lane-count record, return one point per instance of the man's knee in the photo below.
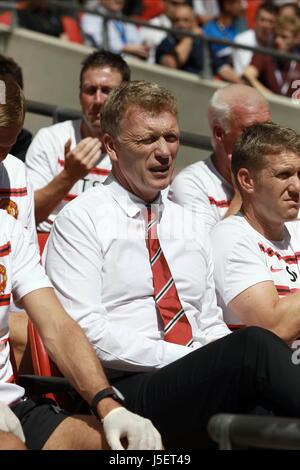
(9, 441)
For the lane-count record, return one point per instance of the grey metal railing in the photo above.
(58, 114)
(248, 431)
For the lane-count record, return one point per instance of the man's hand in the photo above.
(9, 422)
(139, 432)
(80, 160)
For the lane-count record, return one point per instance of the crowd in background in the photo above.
(257, 23)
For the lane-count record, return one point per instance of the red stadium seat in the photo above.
(6, 18)
(251, 9)
(72, 29)
(46, 369)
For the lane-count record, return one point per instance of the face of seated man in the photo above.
(276, 188)
(144, 151)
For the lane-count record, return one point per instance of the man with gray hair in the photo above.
(206, 187)
(137, 276)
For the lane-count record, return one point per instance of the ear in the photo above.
(110, 147)
(218, 133)
(246, 180)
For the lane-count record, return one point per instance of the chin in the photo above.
(292, 215)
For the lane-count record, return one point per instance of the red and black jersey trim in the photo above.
(93, 171)
(5, 249)
(70, 197)
(4, 299)
(285, 290)
(289, 259)
(10, 380)
(216, 203)
(13, 192)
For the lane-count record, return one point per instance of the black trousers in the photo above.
(247, 369)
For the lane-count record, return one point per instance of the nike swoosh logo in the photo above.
(276, 270)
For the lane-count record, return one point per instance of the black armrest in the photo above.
(37, 385)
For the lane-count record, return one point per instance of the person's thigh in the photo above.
(9, 441)
(77, 433)
(46, 426)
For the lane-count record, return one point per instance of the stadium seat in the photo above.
(251, 9)
(152, 8)
(47, 376)
(72, 29)
(6, 18)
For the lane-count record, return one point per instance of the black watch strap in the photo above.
(108, 392)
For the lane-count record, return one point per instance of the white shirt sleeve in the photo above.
(187, 192)
(75, 265)
(92, 26)
(237, 260)
(241, 57)
(31, 227)
(28, 274)
(41, 157)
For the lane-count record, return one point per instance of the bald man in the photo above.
(206, 186)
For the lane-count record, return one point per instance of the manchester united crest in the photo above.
(3, 278)
(10, 207)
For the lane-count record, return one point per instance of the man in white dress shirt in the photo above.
(256, 253)
(206, 187)
(135, 272)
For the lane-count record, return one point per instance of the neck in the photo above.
(87, 131)
(144, 196)
(271, 230)
(220, 163)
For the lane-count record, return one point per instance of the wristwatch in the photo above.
(109, 392)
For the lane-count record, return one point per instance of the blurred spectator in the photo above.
(276, 75)
(289, 9)
(224, 27)
(262, 35)
(133, 8)
(154, 37)
(183, 53)
(121, 37)
(9, 68)
(206, 10)
(38, 16)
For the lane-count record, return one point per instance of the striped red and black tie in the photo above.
(176, 325)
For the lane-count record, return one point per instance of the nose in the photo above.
(162, 148)
(99, 97)
(294, 186)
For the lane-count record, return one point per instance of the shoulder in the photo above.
(245, 37)
(91, 203)
(57, 130)
(194, 172)
(13, 163)
(230, 233)
(210, 27)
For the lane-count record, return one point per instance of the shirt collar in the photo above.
(131, 204)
